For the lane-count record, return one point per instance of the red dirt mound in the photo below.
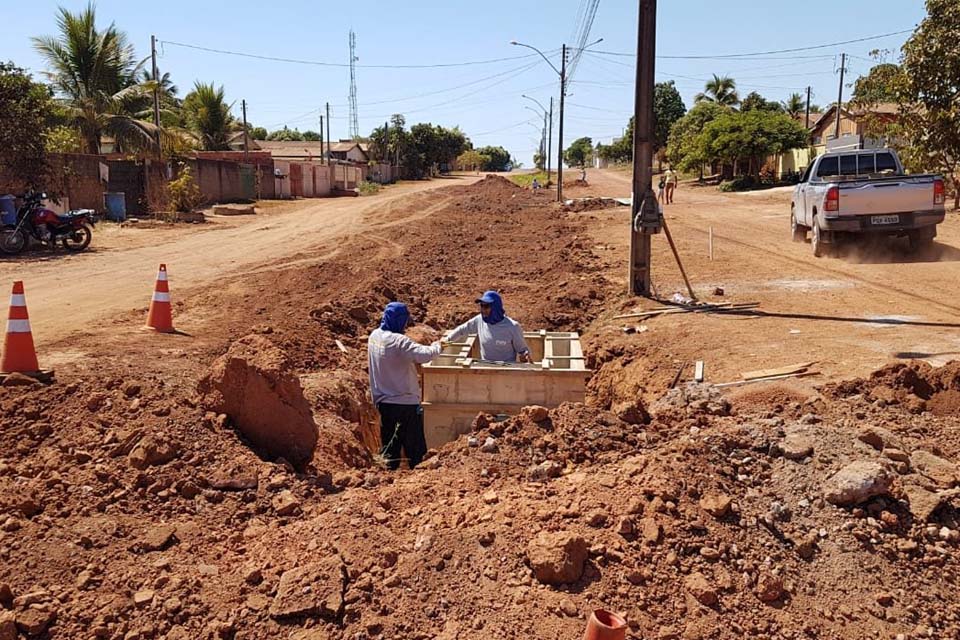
(916, 386)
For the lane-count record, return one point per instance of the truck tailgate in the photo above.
(888, 195)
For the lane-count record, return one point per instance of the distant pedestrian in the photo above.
(536, 185)
(395, 388)
(660, 187)
(672, 179)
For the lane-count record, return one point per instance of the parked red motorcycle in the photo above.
(73, 229)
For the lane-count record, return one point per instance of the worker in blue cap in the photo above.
(395, 387)
(501, 337)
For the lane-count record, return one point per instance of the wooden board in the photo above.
(698, 371)
(780, 371)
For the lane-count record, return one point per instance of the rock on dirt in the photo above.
(693, 398)
(858, 482)
(254, 384)
(557, 558)
(151, 451)
(313, 590)
(943, 472)
(701, 589)
(769, 588)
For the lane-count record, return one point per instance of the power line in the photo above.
(762, 53)
(339, 64)
(586, 25)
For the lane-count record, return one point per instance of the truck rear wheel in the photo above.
(798, 232)
(820, 248)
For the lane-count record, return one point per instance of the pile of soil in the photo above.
(915, 386)
(132, 511)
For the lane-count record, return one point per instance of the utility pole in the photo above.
(328, 133)
(843, 64)
(808, 108)
(246, 147)
(543, 144)
(550, 140)
(156, 94)
(563, 91)
(322, 154)
(645, 211)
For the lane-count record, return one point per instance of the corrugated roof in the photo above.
(304, 148)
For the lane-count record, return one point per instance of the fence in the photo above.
(226, 176)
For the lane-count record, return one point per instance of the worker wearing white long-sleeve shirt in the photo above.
(501, 337)
(393, 383)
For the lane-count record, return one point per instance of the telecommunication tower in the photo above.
(354, 118)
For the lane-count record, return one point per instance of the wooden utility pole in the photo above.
(843, 64)
(246, 146)
(563, 91)
(328, 133)
(323, 159)
(645, 211)
(808, 108)
(156, 93)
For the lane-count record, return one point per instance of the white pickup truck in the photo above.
(861, 192)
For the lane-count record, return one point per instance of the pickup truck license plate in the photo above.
(885, 219)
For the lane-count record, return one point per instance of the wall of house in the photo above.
(356, 155)
(827, 127)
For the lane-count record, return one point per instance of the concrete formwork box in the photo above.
(457, 385)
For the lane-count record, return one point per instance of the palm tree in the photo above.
(208, 117)
(93, 71)
(722, 90)
(794, 105)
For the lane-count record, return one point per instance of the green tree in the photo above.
(26, 108)
(311, 136)
(929, 95)
(257, 133)
(285, 135)
(208, 116)
(794, 105)
(668, 107)
(579, 152)
(683, 146)
(756, 102)
(736, 136)
(881, 84)
(94, 71)
(498, 159)
(471, 160)
(721, 90)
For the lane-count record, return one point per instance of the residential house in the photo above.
(855, 125)
(305, 151)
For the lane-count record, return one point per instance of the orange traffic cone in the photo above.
(160, 317)
(604, 625)
(19, 354)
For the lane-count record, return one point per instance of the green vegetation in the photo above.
(579, 152)
(94, 72)
(683, 148)
(756, 102)
(367, 188)
(472, 160)
(720, 90)
(207, 116)
(26, 109)
(183, 193)
(525, 180)
(668, 107)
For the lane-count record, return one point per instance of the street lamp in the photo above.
(562, 72)
(543, 131)
(549, 130)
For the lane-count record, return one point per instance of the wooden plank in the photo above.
(779, 371)
(740, 383)
(698, 371)
(676, 378)
(341, 346)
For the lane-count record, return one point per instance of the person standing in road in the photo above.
(395, 388)
(501, 337)
(672, 179)
(660, 187)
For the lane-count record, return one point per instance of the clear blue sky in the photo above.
(487, 105)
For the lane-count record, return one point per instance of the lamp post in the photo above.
(543, 132)
(549, 130)
(562, 72)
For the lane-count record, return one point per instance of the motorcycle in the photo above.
(73, 229)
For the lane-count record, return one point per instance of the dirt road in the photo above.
(68, 293)
(852, 313)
